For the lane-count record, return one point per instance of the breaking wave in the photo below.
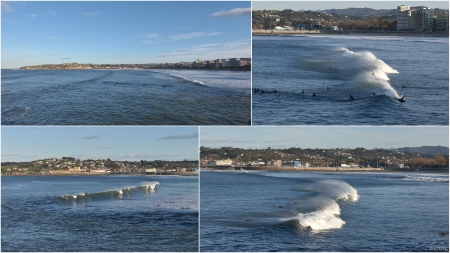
(187, 79)
(326, 210)
(362, 73)
(426, 178)
(145, 187)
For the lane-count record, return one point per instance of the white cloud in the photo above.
(186, 36)
(149, 35)
(232, 13)
(51, 12)
(31, 15)
(238, 44)
(180, 136)
(91, 13)
(6, 7)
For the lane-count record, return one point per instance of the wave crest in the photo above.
(361, 73)
(327, 210)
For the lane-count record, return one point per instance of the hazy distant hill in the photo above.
(362, 11)
(426, 150)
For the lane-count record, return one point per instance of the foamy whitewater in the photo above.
(362, 73)
(328, 211)
(271, 211)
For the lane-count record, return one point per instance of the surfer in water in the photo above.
(402, 99)
(303, 91)
(374, 94)
(309, 227)
(351, 97)
(314, 94)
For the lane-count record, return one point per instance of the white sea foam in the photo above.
(187, 79)
(325, 218)
(426, 179)
(147, 186)
(326, 215)
(362, 72)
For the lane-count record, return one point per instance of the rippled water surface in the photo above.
(271, 211)
(99, 213)
(128, 97)
(377, 71)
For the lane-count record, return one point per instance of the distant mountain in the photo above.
(362, 11)
(425, 150)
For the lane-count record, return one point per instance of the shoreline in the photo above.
(363, 170)
(102, 174)
(227, 69)
(349, 33)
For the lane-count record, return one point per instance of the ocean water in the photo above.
(376, 71)
(125, 97)
(345, 211)
(99, 213)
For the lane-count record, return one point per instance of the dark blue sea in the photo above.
(99, 213)
(376, 71)
(125, 97)
(303, 211)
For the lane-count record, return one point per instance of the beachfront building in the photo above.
(415, 18)
(442, 21)
(224, 63)
(404, 18)
(217, 63)
(422, 18)
(233, 63)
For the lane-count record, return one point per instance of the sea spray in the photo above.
(362, 73)
(327, 210)
(326, 218)
(144, 187)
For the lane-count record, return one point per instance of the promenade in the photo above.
(354, 33)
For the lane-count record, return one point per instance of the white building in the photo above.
(223, 162)
(404, 17)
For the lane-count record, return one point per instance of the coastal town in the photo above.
(225, 158)
(222, 64)
(72, 166)
(405, 19)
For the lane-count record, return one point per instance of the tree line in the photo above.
(329, 157)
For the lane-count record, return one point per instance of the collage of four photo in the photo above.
(224, 126)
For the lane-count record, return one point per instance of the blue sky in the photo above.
(323, 5)
(323, 137)
(116, 143)
(123, 32)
